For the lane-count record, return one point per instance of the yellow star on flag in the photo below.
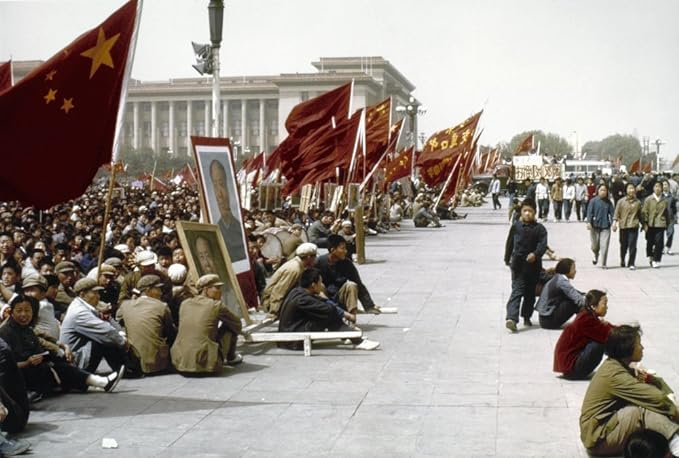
(67, 105)
(101, 52)
(50, 75)
(51, 95)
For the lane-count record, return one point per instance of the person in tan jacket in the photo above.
(287, 277)
(623, 398)
(202, 342)
(654, 216)
(627, 216)
(149, 326)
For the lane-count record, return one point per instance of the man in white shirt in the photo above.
(494, 189)
(542, 196)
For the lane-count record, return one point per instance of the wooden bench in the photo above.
(306, 337)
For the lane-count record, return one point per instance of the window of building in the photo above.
(304, 96)
(165, 129)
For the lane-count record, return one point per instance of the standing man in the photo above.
(208, 331)
(511, 191)
(526, 244)
(627, 216)
(671, 215)
(557, 198)
(599, 220)
(654, 215)
(568, 199)
(542, 195)
(580, 198)
(495, 192)
(149, 326)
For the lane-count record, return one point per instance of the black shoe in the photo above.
(113, 382)
(511, 325)
(527, 322)
(33, 397)
(622, 264)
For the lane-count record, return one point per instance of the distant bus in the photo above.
(581, 168)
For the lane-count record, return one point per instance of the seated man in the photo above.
(287, 277)
(320, 229)
(149, 326)
(305, 311)
(559, 300)
(341, 279)
(621, 400)
(67, 274)
(208, 331)
(88, 336)
(424, 217)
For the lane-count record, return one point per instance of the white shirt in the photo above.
(495, 186)
(541, 191)
(569, 192)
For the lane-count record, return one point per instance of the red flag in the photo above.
(400, 166)
(525, 146)
(321, 152)
(648, 167)
(377, 131)
(5, 76)
(315, 112)
(449, 142)
(57, 125)
(635, 166)
(310, 115)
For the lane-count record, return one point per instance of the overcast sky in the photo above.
(591, 67)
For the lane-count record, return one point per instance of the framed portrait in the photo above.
(354, 193)
(328, 194)
(206, 253)
(306, 198)
(220, 200)
(336, 198)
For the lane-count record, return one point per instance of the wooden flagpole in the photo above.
(107, 212)
(447, 183)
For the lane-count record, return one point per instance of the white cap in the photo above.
(146, 258)
(177, 273)
(306, 249)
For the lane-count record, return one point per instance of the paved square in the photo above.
(449, 380)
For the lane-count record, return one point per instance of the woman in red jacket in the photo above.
(581, 345)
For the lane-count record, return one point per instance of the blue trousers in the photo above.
(588, 359)
(523, 287)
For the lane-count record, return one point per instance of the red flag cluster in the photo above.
(5, 76)
(57, 125)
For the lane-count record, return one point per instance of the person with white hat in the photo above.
(287, 276)
(208, 331)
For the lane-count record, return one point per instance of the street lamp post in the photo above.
(208, 58)
(412, 109)
(216, 16)
(657, 142)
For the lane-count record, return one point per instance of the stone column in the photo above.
(243, 125)
(225, 118)
(171, 143)
(154, 137)
(135, 123)
(208, 120)
(262, 127)
(189, 122)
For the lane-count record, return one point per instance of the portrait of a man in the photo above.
(220, 200)
(207, 254)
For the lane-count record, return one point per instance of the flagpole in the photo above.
(107, 212)
(126, 79)
(447, 183)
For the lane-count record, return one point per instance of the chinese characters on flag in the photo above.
(57, 125)
(400, 166)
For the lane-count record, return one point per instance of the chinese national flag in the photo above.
(5, 76)
(57, 125)
(635, 166)
(449, 142)
(525, 146)
(400, 166)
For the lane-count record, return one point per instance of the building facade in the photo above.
(162, 115)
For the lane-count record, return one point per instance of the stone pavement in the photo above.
(449, 380)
